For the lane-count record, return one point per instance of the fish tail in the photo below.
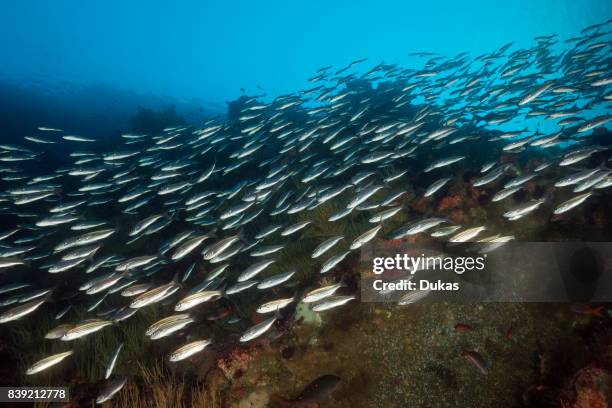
(599, 311)
(26, 262)
(281, 402)
(175, 278)
(343, 279)
(49, 296)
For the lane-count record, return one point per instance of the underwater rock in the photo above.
(256, 399)
(236, 362)
(148, 120)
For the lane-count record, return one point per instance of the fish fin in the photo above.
(90, 257)
(342, 280)
(213, 233)
(222, 290)
(317, 195)
(163, 255)
(49, 296)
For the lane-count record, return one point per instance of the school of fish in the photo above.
(232, 196)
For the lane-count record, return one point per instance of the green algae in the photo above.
(304, 314)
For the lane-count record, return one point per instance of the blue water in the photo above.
(205, 51)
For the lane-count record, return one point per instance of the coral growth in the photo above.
(449, 202)
(421, 205)
(236, 362)
(593, 387)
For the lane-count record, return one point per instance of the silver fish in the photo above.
(112, 362)
(48, 362)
